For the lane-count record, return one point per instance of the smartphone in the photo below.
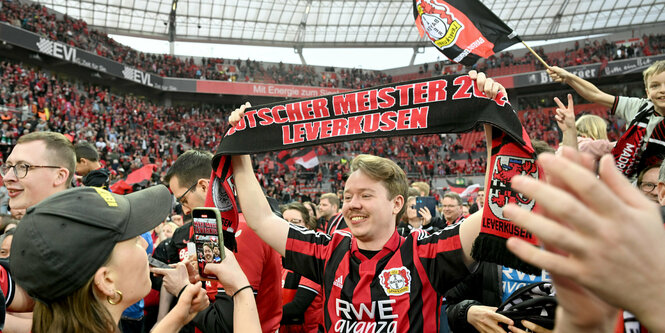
(157, 263)
(429, 202)
(208, 241)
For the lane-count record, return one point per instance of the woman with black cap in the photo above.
(79, 254)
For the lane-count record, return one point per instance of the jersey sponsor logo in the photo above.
(501, 193)
(365, 327)
(376, 316)
(396, 281)
(339, 282)
(182, 254)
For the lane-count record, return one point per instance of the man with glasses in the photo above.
(660, 188)
(647, 181)
(189, 178)
(41, 164)
(452, 208)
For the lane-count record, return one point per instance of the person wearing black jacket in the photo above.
(482, 289)
(218, 317)
(88, 166)
(472, 304)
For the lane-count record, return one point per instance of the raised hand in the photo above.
(488, 85)
(559, 74)
(238, 113)
(602, 234)
(565, 115)
(229, 273)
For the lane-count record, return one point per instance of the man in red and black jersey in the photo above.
(372, 279)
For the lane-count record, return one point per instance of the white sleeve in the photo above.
(627, 107)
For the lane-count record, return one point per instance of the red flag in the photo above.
(463, 30)
(141, 174)
(306, 157)
(121, 187)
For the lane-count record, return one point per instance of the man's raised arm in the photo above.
(272, 229)
(583, 87)
(470, 228)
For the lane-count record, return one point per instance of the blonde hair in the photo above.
(655, 69)
(422, 187)
(386, 171)
(591, 126)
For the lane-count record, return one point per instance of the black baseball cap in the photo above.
(63, 240)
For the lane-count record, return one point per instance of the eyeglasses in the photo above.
(21, 169)
(178, 199)
(647, 187)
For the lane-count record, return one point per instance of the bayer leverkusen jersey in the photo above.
(397, 290)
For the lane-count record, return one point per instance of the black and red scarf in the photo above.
(448, 104)
(628, 154)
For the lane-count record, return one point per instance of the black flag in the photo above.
(463, 30)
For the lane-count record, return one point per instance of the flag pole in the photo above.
(537, 56)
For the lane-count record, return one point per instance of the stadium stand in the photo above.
(39, 19)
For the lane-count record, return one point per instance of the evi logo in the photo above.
(57, 50)
(136, 75)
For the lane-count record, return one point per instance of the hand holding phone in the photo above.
(208, 241)
(230, 273)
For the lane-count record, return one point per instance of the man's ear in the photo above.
(204, 184)
(661, 193)
(63, 175)
(398, 203)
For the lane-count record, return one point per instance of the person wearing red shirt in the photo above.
(188, 179)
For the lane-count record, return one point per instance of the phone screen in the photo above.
(207, 242)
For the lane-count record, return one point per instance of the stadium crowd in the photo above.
(131, 133)
(75, 32)
(596, 51)
(368, 255)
